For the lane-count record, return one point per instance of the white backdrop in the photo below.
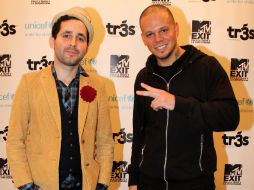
(222, 28)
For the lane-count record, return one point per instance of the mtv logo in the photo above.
(5, 60)
(201, 26)
(3, 163)
(240, 64)
(121, 166)
(233, 169)
(120, 61)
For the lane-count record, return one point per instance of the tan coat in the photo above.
(34, 136)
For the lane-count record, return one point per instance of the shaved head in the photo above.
(156, 8)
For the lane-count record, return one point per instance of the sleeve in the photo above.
(220, 111)
(138, 135)
(29, 186)
(18, 124)
(101, 187)
(104, 139)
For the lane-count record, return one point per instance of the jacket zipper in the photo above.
(166, 131)
(201, 151)
(142, 156)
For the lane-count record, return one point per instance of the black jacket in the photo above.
(178, 144)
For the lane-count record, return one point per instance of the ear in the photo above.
(51, 42)
(143, 38)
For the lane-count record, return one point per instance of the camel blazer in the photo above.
(34, 136)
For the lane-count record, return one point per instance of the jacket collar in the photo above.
(49, 87)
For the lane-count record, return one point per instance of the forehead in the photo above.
(157, 15)
(73, 25)
(155, 20)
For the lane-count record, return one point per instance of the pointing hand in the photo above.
(162, 99)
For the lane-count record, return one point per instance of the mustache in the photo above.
(72, 49)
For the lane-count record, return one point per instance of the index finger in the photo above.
(146, 93)
(147, 87)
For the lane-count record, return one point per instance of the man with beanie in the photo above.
(60, 134)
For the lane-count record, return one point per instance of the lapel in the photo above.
(83, 106)
(50, 91)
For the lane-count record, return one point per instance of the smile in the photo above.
(160, 47)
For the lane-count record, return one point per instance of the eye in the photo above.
(149, 35)
(164, 30)
(66, 35)
(81, 38)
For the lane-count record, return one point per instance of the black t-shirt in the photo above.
(169, 71)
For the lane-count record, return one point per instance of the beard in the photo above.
(69, 60)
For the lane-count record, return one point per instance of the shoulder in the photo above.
(100, 83)
(32, 79)
(96, 79)
(142, 74)
(35, 74)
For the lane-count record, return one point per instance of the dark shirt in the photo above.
(68, 93)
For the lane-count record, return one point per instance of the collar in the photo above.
(80, 71)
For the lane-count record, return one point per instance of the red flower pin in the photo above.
(88, 93)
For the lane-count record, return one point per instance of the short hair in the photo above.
(56, 27)
(156, 8)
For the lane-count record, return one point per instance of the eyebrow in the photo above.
(70, 32)
(161, 28)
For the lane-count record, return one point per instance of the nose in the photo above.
(158, 37)
(73, 41)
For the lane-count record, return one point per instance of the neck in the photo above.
(66, 73)
(176, 54)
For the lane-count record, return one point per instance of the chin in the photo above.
(71, 63)
(162, 57)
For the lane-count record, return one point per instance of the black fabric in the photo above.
(71, 182)
(178, 144)
(70, 161)
(101, 186)
(169, 71)
(200, 183)
(29, 186)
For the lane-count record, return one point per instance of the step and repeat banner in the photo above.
(222, 28)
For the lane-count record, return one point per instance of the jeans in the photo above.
(200, 183)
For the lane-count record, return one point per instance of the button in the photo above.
(71, 157)
(70, 170)
(71, 133)
(69, 121)
(71, 145)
